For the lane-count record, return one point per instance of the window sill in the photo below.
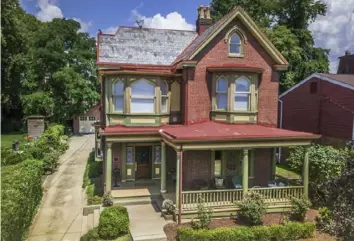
(236, 56)
(234, 112)
(138, 114)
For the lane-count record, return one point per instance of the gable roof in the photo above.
(134, 45)
(344, 80)
(202, 40)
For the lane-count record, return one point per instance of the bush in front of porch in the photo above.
(92, 180)
(288, 231)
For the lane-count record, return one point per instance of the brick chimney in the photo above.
(204, 20)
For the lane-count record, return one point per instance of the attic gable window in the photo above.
(235, 45)
(236, 39)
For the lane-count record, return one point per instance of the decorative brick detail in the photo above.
(262, 166)
(196, 165)
(216, 53)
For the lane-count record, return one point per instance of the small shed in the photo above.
(82, 124)
(35, 125)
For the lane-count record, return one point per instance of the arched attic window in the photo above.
(236, 40)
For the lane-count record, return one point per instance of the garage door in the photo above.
(85, 124)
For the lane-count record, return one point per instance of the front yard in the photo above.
(7, 139)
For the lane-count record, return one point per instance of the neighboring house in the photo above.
(83, 124)
(346, 63)
(321, 104)
(194, 110)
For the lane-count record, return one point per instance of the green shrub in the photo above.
(10, 157)
(107, 199)
(324, 219)
(114, 222)
(51, 161)
(252, 208)
(93, 200)
(289, 231)
(204, 215)
(20, 197)
(299, 208)
(91, 235)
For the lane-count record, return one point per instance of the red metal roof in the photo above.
(211, 130)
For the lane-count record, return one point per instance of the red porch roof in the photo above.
(211, 130)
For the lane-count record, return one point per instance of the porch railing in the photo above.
(212, 198)
(226, 198)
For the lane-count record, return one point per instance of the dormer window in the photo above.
(235, 45)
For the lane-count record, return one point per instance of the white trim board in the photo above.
(319, 76)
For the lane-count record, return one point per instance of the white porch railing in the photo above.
(226, 198)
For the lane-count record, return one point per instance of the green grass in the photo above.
(6, 139)
(284, 171)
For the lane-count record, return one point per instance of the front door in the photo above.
(143, 162)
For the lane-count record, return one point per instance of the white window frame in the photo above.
(119, 95)
(236, 93)
(135, 96)
(218, 93)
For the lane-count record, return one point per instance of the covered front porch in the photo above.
(189, 162)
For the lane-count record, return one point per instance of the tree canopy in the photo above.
(286, 24)
(48, 67)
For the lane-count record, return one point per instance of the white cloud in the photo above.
(48, 11)
(335, 31)
(84, 25)
(173, 20)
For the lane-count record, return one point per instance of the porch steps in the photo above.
(138, 200)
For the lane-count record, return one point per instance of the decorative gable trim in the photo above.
(256, 32)
(330, 80)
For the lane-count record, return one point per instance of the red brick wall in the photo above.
(346, 65)
(315, 113)
(216, 53)
(262, 166)
(196, 165)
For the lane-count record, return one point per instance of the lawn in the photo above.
(6, 139)
(284, 171)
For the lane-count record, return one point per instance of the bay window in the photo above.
(164, 96)
(142, 96)
(221, 93)
(242, 94)
(118, 96)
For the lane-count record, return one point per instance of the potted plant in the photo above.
(168, 209)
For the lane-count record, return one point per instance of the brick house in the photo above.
(194, 110)
(321, 104)
(346, 63)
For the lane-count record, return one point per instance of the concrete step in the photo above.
(90, 221)
(133, 201)
(96, 217)
(84, 229)
(153, 237)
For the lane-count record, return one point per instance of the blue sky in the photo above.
(334, 31)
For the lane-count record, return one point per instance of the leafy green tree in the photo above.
(286, 24)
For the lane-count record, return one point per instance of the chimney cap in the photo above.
(347, 52)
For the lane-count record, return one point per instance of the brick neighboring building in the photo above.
(346, 63)
(322, 104)
(187, 109)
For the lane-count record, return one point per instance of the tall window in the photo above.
(118, 96)
(242, 94)
(164, 96)
(235, 44)
(143, 95)
(221, 93)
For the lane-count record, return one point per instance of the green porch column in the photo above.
(177, 177)
(108, 170)
(245, 172)
(274, 161)
(305, 174)
(163, 167)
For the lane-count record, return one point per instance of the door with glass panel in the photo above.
(143, 162)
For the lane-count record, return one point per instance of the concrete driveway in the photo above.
(60, 213)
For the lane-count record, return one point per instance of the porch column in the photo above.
(245, 172)
(108, 170)
(123, 162)
(179, 184)
(163, 167)
(305, 175)
(274, 161)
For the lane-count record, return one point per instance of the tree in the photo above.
(286, 24)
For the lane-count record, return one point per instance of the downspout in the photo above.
(280, 126)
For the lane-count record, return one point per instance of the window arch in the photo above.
(164, 96)
(221, 93)
(142, 96)
(242, 94)
(118, 95)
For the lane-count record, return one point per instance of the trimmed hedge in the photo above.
(20, 198)
(289, 231)
(114, 222)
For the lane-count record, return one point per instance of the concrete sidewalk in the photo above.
(146, 223)
(60, 213)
